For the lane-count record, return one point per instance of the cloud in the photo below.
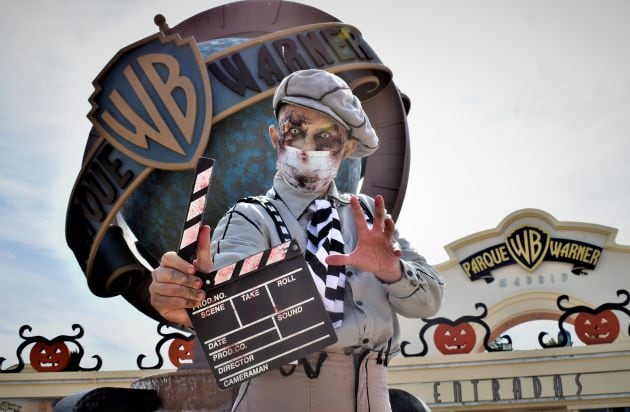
(519, 105)
(51, 295)
(24, 214)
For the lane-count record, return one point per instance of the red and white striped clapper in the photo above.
(196, 207)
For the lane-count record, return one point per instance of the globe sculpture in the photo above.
(130, 198)
(245, 165)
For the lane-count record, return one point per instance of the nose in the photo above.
(308, 144)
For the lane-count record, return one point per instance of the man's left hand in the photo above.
(376, 250)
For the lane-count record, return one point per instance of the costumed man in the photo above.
(364, 271)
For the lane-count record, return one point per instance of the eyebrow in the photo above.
(332, 129)
(302, 123)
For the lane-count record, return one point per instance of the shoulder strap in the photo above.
(281, 227)
(369, 217)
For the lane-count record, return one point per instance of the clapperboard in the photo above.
(259, 313)
(196, 207)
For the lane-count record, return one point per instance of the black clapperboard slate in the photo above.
(266, 312)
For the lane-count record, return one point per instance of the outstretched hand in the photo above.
(376, 250)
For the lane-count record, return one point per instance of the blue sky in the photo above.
(514, 104)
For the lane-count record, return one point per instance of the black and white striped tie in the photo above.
(324, 238)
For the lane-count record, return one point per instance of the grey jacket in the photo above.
(371, 306)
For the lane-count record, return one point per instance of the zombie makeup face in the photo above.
(310, 171)
(310, 148)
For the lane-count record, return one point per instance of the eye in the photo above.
(329, 140)
(295, 131)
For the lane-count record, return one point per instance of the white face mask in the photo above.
(306, 171)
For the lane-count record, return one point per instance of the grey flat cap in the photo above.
(329, 94)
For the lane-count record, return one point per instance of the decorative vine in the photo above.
(181, 345)
(587, 314)
(460, 326)
(51, 355)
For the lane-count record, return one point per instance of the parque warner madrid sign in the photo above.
(153, 107)
(529, 246)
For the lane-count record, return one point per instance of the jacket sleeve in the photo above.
(419, 293)
(240, 233)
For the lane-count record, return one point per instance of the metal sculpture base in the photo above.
(189, 390)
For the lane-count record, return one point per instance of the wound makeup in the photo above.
(292, 126)
(306, 171)
(329, 138)
(310, 148)
(295, 128)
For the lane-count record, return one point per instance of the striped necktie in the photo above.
(324, 238)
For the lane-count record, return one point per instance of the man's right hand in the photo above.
(175, 287)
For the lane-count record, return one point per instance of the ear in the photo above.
(273, 136)
(349, 147)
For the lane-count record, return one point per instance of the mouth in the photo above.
(48, 365)
(599, 336)
(307, 180)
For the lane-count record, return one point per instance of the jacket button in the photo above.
(349, 273)
(359, 302)
(365, 340)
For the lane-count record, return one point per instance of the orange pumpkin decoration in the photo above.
(49, 357)
(453, 339)
(593, 329)
(180, 351)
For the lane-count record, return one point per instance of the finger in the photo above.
(203, 262)
(172, 260)
(177, 291)
(390, 227)
(164, 275)
(357, 212)
(339, 260)
(379, 213)
(396, 249)
(170, 303)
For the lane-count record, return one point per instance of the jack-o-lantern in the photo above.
(49, 357)
(593, 329)
(452, 339)
(180, 351)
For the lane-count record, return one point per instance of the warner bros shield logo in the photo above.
(528, 246)
(153, 102)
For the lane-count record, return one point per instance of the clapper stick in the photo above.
(196, 207)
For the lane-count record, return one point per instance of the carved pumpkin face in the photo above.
(180, 351)
(450, 339)
(49, 357)
(592, 329)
